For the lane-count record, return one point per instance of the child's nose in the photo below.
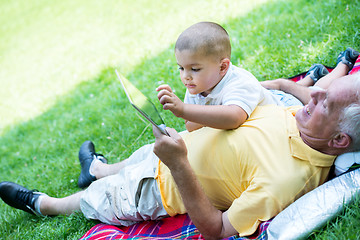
(187, 75)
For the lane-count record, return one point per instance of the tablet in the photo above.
(142, 104)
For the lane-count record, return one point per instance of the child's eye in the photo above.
(181, 68)
(196, 69)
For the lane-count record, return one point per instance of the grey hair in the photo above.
(350, 118)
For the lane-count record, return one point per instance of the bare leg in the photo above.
(339, 71)
(306, 81)
(60, 206)
(51, 206)
(100, 169)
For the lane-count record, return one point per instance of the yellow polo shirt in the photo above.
(254, 172)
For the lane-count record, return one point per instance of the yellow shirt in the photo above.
(254, 172)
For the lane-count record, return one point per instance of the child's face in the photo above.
(198, 73)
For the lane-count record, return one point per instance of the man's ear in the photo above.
(340, 141)
(224, 66)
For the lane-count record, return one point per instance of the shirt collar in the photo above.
(298, 151)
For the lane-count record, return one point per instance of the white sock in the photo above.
(38, 202)
(92, 165)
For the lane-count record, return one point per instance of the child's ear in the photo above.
(224, 65)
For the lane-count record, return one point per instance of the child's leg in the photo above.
(345, 63)
(339, 71)
(315, 72)
(306, 81)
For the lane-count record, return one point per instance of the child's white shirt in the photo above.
(238, 87)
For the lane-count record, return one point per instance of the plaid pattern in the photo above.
(177, 227)
(356, 67)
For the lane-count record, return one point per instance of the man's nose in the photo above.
(318, 95)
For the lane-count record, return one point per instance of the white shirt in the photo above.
(238, 87)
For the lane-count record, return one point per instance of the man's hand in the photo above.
(170, 101)
(171, 150)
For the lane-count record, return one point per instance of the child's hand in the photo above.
(169, 100)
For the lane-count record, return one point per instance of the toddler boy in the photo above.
(218, 94)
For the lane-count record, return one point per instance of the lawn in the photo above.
(59, 87)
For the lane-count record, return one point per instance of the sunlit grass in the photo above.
(57, 70)
(49, 47)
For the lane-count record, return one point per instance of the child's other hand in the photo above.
(169, 100)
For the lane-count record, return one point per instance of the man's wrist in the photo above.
(178, 165)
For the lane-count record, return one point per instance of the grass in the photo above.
(59, 87)
(47, 49)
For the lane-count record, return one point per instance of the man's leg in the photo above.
(38, 203)
(94, 166)
(60, 206)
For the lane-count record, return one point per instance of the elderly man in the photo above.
(226, 180)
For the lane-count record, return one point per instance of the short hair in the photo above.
(208, 37)
(350, 118)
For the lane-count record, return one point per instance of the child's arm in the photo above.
(300, 92)
(216, 116)
(192, 126)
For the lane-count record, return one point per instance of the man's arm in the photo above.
(211, 222)
(300, 92)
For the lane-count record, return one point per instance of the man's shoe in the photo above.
(87, 155)
(317, 71)
(19, 197)
(348, 57)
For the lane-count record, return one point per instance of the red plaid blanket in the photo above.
(177, 227)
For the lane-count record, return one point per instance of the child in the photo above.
(218, 94)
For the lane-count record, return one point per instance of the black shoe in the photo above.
(87, 154)
(19, 197)
(348, 57)
(317, 71)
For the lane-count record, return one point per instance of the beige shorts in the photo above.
(128, 197)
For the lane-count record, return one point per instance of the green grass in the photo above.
(59, 87)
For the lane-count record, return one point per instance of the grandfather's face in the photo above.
(318, 121)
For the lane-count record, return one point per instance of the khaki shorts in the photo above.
(128, 197)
